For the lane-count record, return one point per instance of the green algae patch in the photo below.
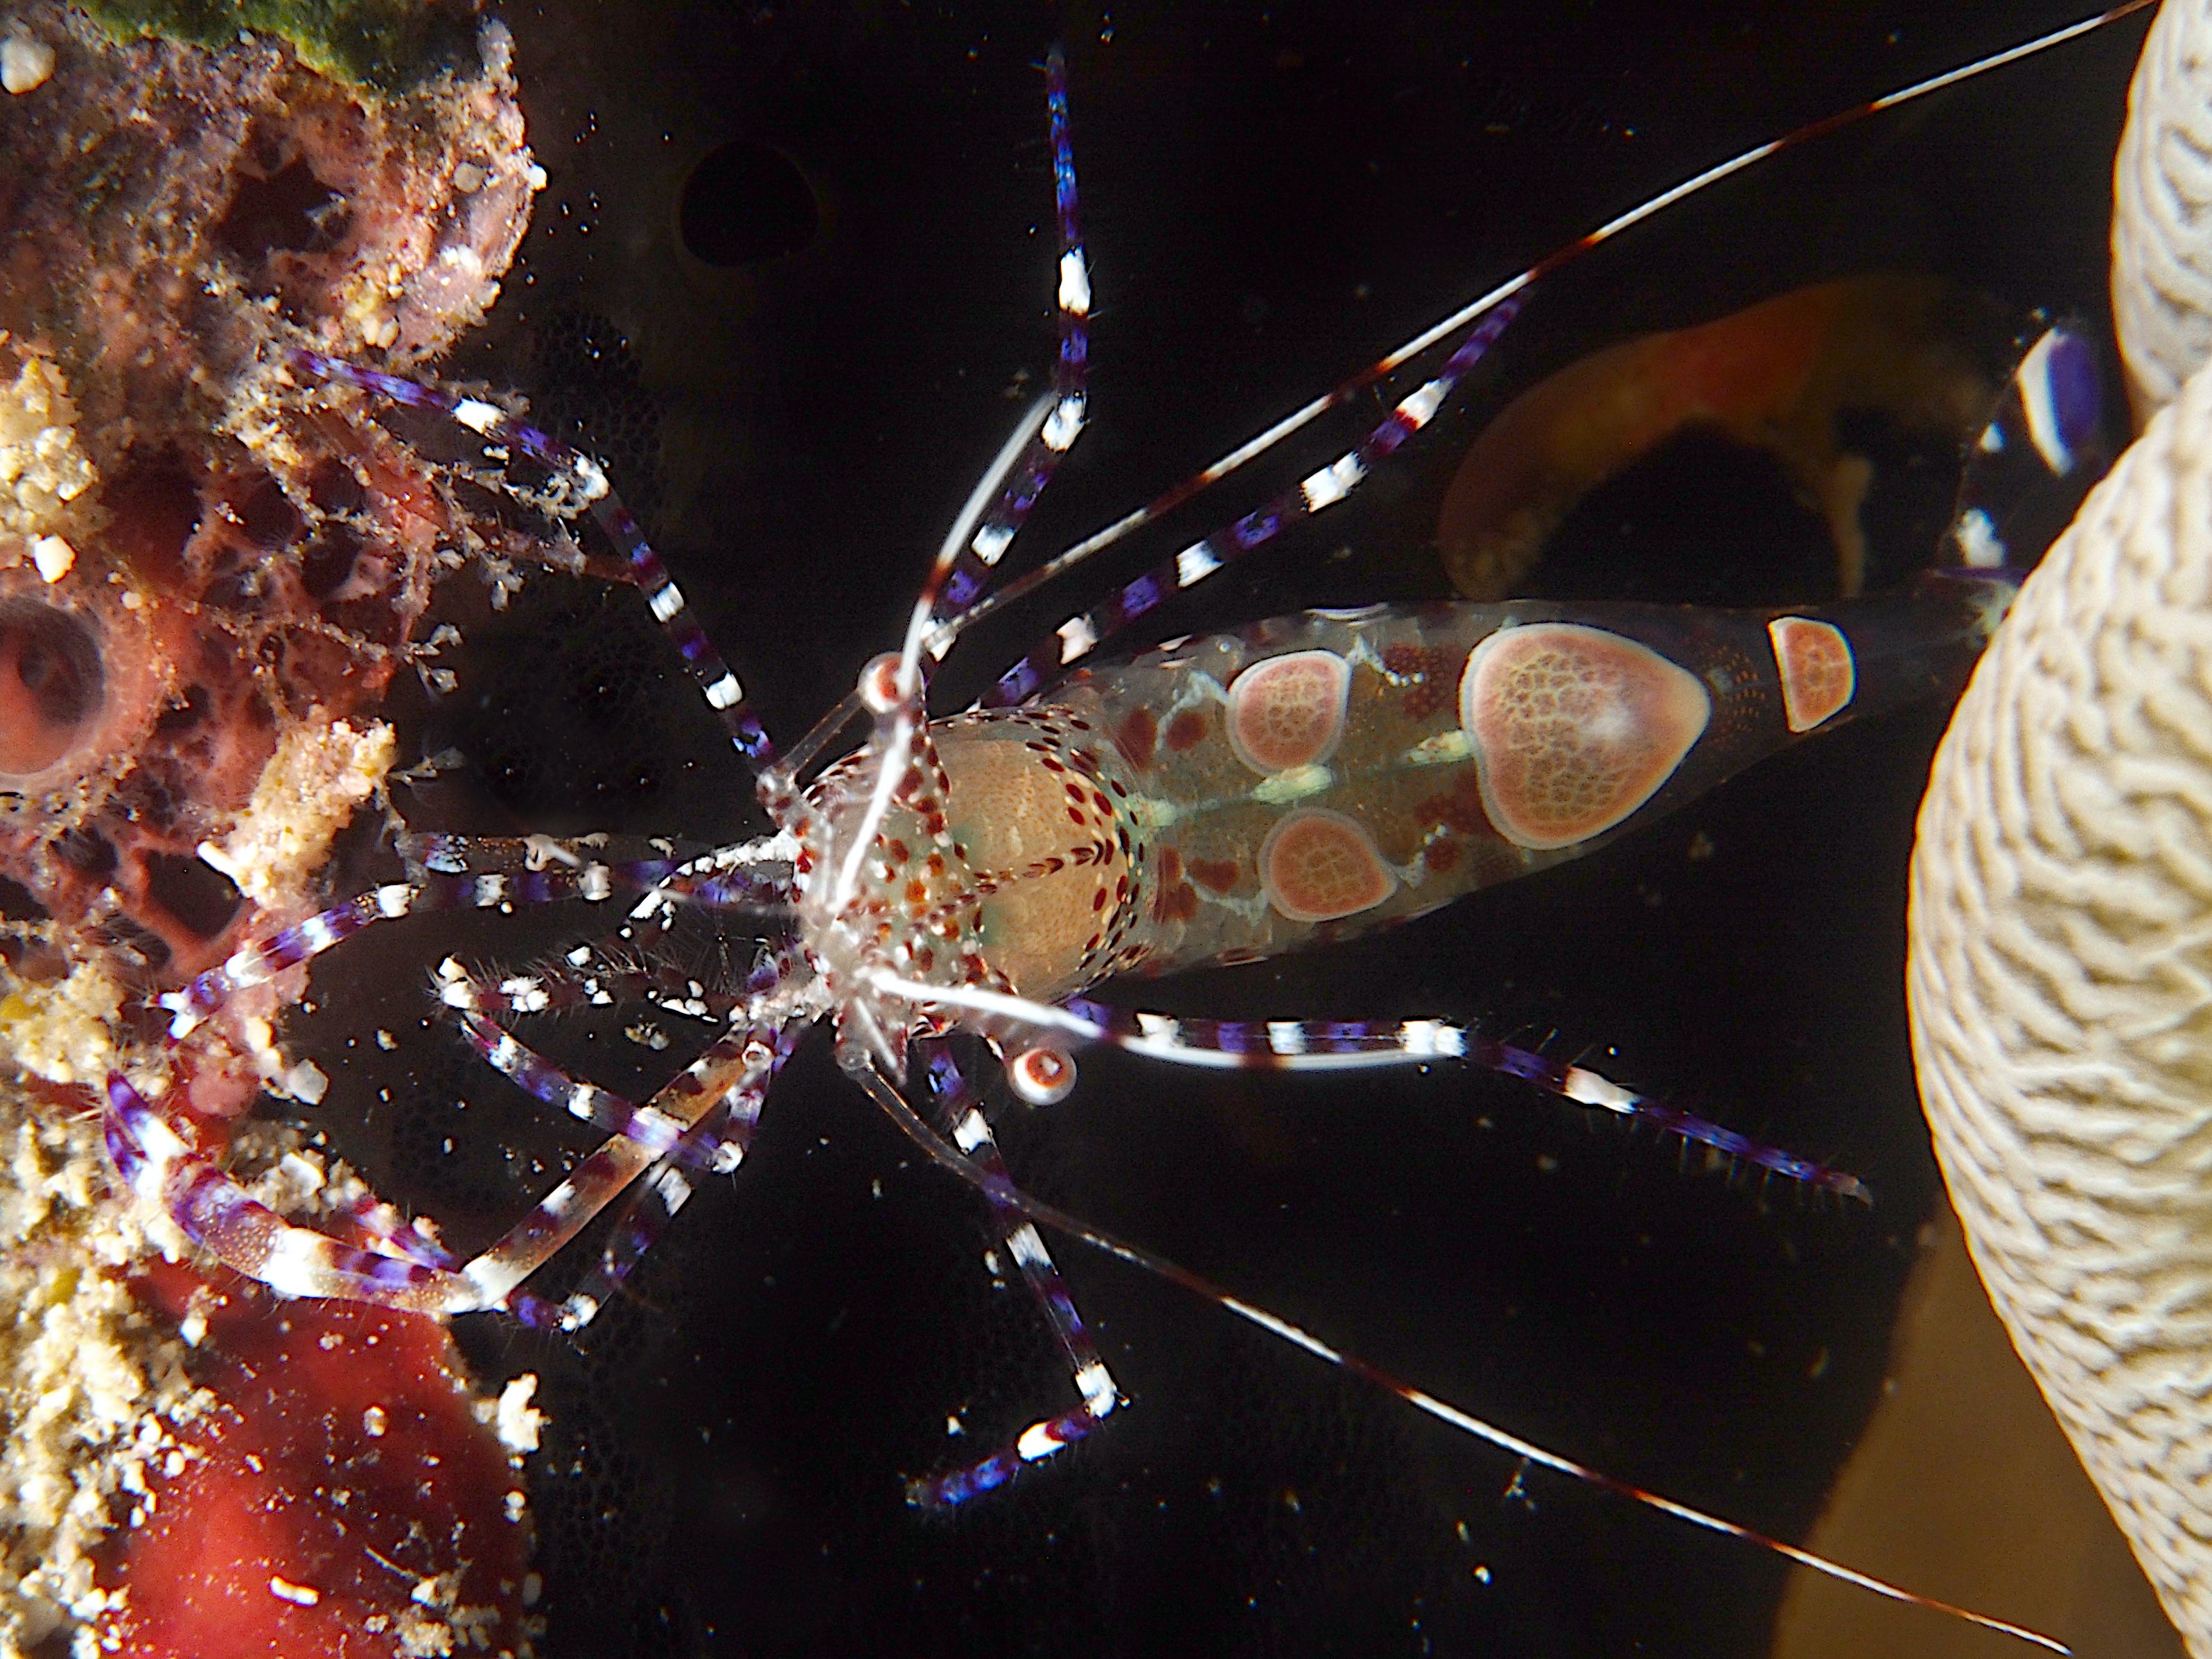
(389, 45)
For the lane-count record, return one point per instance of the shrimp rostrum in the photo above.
(960, 882)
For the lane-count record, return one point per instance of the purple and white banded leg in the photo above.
(1002, 1193)
(959, 1113)
(964, 567)
(218, 1214)
(894, 688)
(1352, 1045)
(593, 975)
(587, 481)
(719, 1142)
(1082, 633)
(725, 879)
(259, 961)
(754, 877)
(784, 997)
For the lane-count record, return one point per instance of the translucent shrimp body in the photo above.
(1310, 777)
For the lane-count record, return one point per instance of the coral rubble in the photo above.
(209, 578)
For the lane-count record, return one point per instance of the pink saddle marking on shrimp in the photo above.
(1317, 865)
(1289, 710)
(1818, 679)
(1574, 729)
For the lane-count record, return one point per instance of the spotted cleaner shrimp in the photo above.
(490, 1040)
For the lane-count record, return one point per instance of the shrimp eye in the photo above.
(1044, 1075)
(879, 683)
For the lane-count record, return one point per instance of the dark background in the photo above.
(1272, 197)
